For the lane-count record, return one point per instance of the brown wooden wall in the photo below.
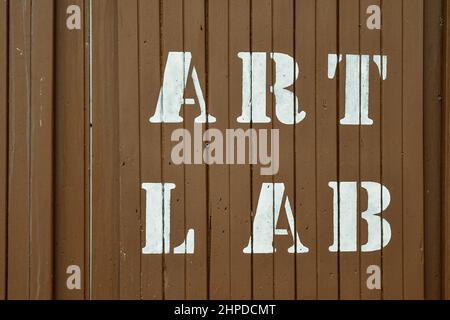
(76, 145)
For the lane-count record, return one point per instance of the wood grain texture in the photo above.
(392, 152)
(197, 179)
(446, 166)
(105, 263)
(326, 147)
(19, 222)
(150, 63)
(284, 263)
(41, 149)
(433, 119)
(219, 175)
(306, 147)
(129, 148)
(172, 39)
(70, 135)
(3, 146)
(76, 145)
(413, 205)
(87, 148)
(262, 41)
(349, 149)
(241, 190)
(370, 156)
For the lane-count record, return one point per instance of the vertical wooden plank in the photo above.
(129, 148)
(69, 151)
(261, 41)
(370, 144)
(284, 262)
(174, 265)
(413, 149)
(433, 117)
(105, 155)
(19, 150)
(219, 175)
(240, 176)
(391, 146)
(305, 147)
(3, 145)
(326, 147)
(446, 159)
(150, 65)
(41, 179)
(349, 135)
(195, 184)
(88, 149)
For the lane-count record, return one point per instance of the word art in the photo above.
(254, 88)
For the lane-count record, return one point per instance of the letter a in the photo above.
(73, 22)
(171, 96)
(374, 280)
(267, 215)
(374, 20)
(74, 280)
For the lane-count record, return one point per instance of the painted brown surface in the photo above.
(219, 176)
(284, 263)
(152, 281)
(240, 213)
(261, 40)
(105, 217)
(210, 201)
(70, 134)
(129, 216)
(30, 148)
(326, 148)
(433, 93)
(370, 159)
(3, 145)
(174, 266)
(46, 221)
(413, 266)
(392, 155)
(305, 149)
(19, 173)
(41, 148)
(350, 153)
(445, 157)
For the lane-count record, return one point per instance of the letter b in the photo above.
(345, 216)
